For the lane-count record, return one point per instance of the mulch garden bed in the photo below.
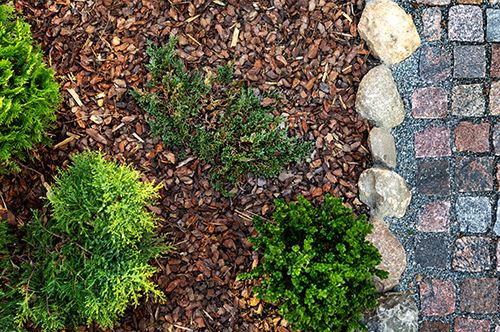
(308, 51)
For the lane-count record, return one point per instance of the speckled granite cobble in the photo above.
(449, 154)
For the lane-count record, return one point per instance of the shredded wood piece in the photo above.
(191, 19)
(75, 96)
(138, 137)
(236, 34)
(71, 138)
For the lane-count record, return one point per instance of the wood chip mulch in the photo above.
(308, 50)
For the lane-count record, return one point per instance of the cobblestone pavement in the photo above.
(449, 153)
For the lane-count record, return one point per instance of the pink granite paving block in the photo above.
(472, 137)
(433, 142)
(495, 60)
(429, 103)
(498, 177)
(434, 217)
(431, 21)
(434, 326)
(495, 98)
(479, 295)
(463, 324)
(437, 297)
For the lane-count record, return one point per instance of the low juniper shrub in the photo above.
(88, 261)
(316, 265)
(219, 119)
(29, 94)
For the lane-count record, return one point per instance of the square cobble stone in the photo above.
(431, 21)
(496, 138)
(469, 61)
(434, 217)
(437, 297)
(471, 254)
(431, 250)
(435, 64)
(479, 296)
(495, 98)
(433, 142)
(433, 177)
(433, 2)
(463, 324)
(498, 255)
(468, 100)
(495, 60)
(474, 174)
(429, 103)
(493, 25)
(496, 228)
(465, 23)
(471, 137)
(498, 177)
(473, 214)
(434, 326)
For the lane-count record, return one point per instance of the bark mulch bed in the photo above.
(307, 50)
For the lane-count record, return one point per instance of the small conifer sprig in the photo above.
(29, 94)
(219, 119)
(317, 265)
(88, 261)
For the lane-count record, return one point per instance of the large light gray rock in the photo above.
(378, 99)
(396, 312)
(382, 147)
(392, 252)
(389, 31)
(385, 192)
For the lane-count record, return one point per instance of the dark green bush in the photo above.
(317, 266)
(29, 94)
(89, 261)
(221, 120)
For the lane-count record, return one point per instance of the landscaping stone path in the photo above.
(448, 151)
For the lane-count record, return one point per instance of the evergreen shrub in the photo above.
(219, 119)
(317, 265)
(29, 94)
(89, 260)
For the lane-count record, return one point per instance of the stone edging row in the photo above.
(391, 35)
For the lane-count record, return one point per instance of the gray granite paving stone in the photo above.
(493, 25)
(469, 61)
(473, 214)
(465, 23)
(432, 251)
(468, 100)
(431, 20)
(494, 97)
(496, 229)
